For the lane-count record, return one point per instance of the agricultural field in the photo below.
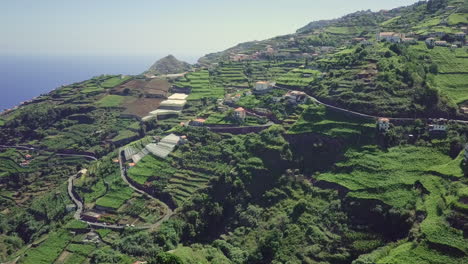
(115, 81)
(111, 101)
(452, 73)
(298, 78)
(458, 18)
(49, 250)
(201, 86)
(318, 119)
(151, 167)
(369, 173)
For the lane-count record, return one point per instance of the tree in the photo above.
(166, 258)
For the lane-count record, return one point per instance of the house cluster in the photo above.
(26, 161)
(432, 39)
(173, 105)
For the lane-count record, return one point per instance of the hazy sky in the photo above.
(146, 27)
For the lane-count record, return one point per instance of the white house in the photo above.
(460, 35)
(383, 124)
(296, 97)
(441, 43)
(439, 125)
(262, 87)
(390, 37)
(430, 41)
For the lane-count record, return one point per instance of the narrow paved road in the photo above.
(168, 211)
(365, 115)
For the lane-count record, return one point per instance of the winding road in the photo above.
(168, 211)
(362, 114)
(79, 204)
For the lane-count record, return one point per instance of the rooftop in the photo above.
(240, 109)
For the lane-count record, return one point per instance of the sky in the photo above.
(148, 27)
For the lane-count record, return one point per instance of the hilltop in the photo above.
(169, 65)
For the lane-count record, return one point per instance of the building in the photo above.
(440, 34)
(240, 113)
(390, 37)
(178, 96)
(91, 216)
(296, 97)
(383, 124)
(430, 42)
(408, 40)
(172, 105)
(438, 126)
(198, 122)
(262, 87)
(28, 156)
(460, 35)
(441, 43)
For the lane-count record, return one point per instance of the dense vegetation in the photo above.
(313, 184)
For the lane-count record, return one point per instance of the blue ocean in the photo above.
(25, 77)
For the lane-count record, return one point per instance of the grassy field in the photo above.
(201, 86)
(151, 166)
(457, 18)
(452, 68)
(114, 81)
(2, 122)
(318, 119)
(124, 135)
(373, 174)
(111, 101)
(298, 78)
(48, 251)
(116, 196)
(451, 169)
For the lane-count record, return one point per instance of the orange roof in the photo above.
(200, 120)
(132, 164)
(28, 156)
(240, 109)
(262, 82)
(383, 119)
(115, 160)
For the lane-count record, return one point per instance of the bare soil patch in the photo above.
(141, 106)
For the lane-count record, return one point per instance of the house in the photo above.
(240, 113)
(239, 57)
(438, 126)
(408, 40)
(383, 124)
(262, 87)
(441, 43)
(70, 207)
(390, 37)
(178, 96)
(357, 40)
(296, 97)
(430, 42)
(91, 216)
(28, 156)
(460, 35)
(440, 34)
(173, 105)
(464, 29)
(198, 122)
(131, 165)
